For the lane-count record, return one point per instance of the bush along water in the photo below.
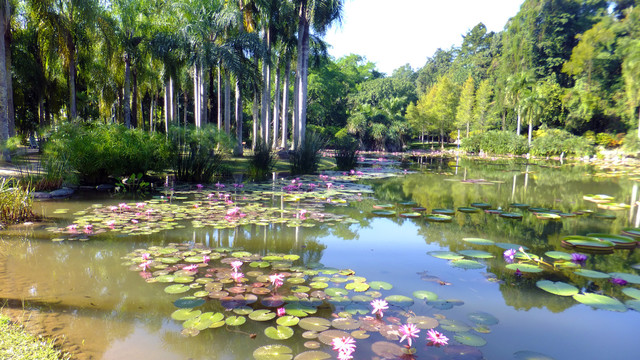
(261, 162)
(346, 153)
(16, 202)
(90, 153)
(196, 154)
(555, 142)
(305, 159)
(495, 142)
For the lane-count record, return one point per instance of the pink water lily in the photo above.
(281, 311)
(199, 186)
(190, 267)
(276, 280)
(140, 205)
(409, 331)
(72, 227)
(145, 265)
(436, 338)
(206, 259)
(345, 346)
(378, 306)
(146, 256)
(235, 265)
(237, 276)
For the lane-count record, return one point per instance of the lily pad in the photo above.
(439, 218)
(299, 310)
(557, 288)
(528, 268)
(530, 355)
(478, 241)
(424, 294)
(560, 255)
(423, 322)
(383, 212)
(412, 215)
(345, 324)
(511, 215)
(357, 286)
(470, 339)
(480, 205)
(468, 210)
(621, 242)
(467, 264)
(592, 274)
(326, 337)
(188, 302)
(600, 302)
(336, 292)
(630, 278)
(483, 318)
(235, 320)
(176, 289)
(476, 254)
(273, 352)
(380, 285)
(447, 255)
(315, 324)
(313, 355)
(262, 315)
(185, 314)
(454, 325)
(443, 212)
(399, 300)
(278, 333)
(632, 292)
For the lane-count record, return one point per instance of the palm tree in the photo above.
(517, 85)
(532, 104)
(319, 14)
(5, 14)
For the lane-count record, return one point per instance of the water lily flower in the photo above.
(409, 331)
(190, 267)
(113, 208)
(344, 346)
(233, 211)
(237, 276)
(518, 273)
(521, 249)
(111, 223)
(195, 206)
(618, 281)
(122, 205)
(140, 204)
(578, 258)
(145, 265)
(146, 256)
(236, 265)
(72, 227)
(509, 255)
(219, 186)
(281, 311)
(378, 306)
(436, 338)
(88, 227)
(210, 196)
(276, 280)
(135, 221)
(352, 172)
(199, 186)
(205, 259)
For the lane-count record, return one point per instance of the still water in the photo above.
(80, 293)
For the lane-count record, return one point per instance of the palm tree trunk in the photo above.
(227, 103)
(134, 99)
(219, 98)
(151, 110)
(4, 110)
(296, 114)
(73, 112)
(276, 108)
(266, 88)
(638, 122)
(203, 96)
(530, 129)
(127, 91)
(196, 97)
(238, 150)
(518, 128)
(303, 72)
(7, 54)
(285, 102)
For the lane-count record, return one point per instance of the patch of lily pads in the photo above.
(217, 289)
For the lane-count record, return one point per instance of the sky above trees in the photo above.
(394, 33)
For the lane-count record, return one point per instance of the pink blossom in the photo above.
(276, 280)
(146, 256)
(233, 211)
(281, 311)
(113, 208)
(199, 186)
(237, 276)
(135, 221)
(409, 331)
(145, 265)
(88, 227)
(190, 267)
(236, 265)
(378, 306)
(140, 204)
(206, 259)
(111, 223)
(72, 227)
(345, 346)
(437, 338)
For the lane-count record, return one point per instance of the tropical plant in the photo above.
(495, 142)
(16, 202)
(346, 153)
(306, 158)
(261, 162)
(196, 154)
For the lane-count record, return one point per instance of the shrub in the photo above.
(262, 162)
(631, 144)
(346, 153)
(94, 152)
(607, 140)
(16, 202)
(305, 159)
(553, 142)
(196, 154)
(496, 142)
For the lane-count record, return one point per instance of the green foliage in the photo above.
(133, 184)
(495, 142)
(607, 140)
(346, 153)
(631, 144)
(196, 154)
(94, 152)
(261, 162)
(17, 344)
(553, 142)
(16, 202)
(305, 159)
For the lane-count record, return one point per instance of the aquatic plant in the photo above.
(16, 202)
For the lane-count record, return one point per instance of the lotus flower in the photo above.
(140, 205)
(345, 346)
(235, 265)
(378, 306)
(145, 265)
(436, 338)
(146, 256)
(237, 276)
(409, 331)
(276, 280)
(206, 259)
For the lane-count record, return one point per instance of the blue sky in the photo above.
(392, 33)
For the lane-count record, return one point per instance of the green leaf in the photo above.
(525, 268)
(600, 302)
(630, 278)
(592, 274)
(632, 292)
(378, 285)
(273, 352)
(470, 339)
(278, 333)
(467, 264)
(235, 320)
(478, 241)
(557, 288)
(447, 255)
(476, 254)
(424, 294)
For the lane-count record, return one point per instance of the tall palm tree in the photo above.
(319, 14)
(532, 104)
(5, 11)
(517, 86)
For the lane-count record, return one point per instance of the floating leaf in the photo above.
(399, 300)
(454, 325)
(185, 314)
(447, 255)
(383, 212)
(176, 289)
(470, 339)
(273, 352)
(561, 255)
(424, 294)
(592, 274)
(557, 288)
(326, 337)
(528, 268)
(235, 320)
(299, 310)
(476, 254)
(600, 302)
(633, 304)
(189, 302)
(467, 264)
(507, 246)
(483, 318)
(200, 323)
(313, 355)
(423, 322)
(336, 292)
(511, 215)
(345, 324)
(380, 285)
(357, 286)
(478, 241)
(439, 218)
(530, 355)
(315, 324)
(288, 320)
(278, 333)
(632, 292)
(630, 278)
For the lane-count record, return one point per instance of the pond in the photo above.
(115, 278)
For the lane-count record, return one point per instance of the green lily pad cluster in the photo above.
(321, 303)
(555, 263)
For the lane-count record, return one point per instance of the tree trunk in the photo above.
(467, 129)
(285, 103)
(518, 128)
(7, 54)
(203, 97)
(134, 99)
(504, 121)
(127, 88)
(185, 98)
(219, 98)
(151, 110)
(530, 129)
(4, 110)
(72, 81)
(266, 89)
(303, 72)
(227, 103)
(638, 122)
(276, 107)
(239, 148)
(196, 97)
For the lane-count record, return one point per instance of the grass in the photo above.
(17, 344)
(237, 164)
